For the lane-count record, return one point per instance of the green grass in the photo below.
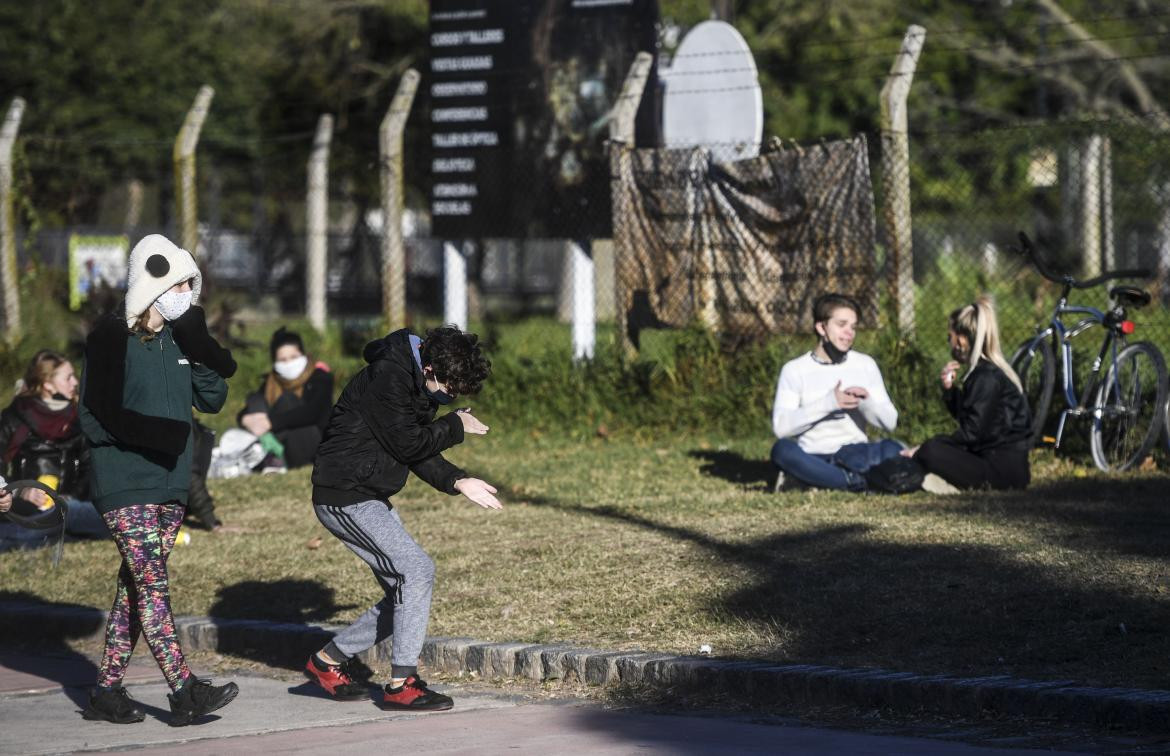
(670, 542)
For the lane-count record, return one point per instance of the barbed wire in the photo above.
(217, 140)
(927, 72)
(887, 55)
(1058, 126)
(969, 29)
(1065, 42)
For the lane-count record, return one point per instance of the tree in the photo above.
(108, 85)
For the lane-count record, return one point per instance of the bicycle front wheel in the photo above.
(1128, 411)
(1035, 365)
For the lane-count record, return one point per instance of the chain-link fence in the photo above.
(1094, 195)
(711, 235)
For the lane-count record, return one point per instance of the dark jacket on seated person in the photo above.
(990, 447)
(992, 412)
(298, 410)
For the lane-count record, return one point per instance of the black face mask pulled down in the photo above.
(442, 397)
(836, 356)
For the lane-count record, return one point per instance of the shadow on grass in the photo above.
(280, 600)
(1121, 516)
(842, 595)
(753, 474)
(293, 601)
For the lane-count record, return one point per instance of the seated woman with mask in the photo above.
(291, 408)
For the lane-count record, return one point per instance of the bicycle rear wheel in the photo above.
(1035, 364)
(1128, 411)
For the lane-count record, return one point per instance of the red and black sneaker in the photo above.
(414, 695)
(335, 680)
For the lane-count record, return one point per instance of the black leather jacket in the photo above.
(992, 412)
(36, 441)
(382, 427)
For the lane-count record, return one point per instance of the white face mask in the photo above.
(290, 369)
(172, 304)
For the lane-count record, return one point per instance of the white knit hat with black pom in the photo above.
(156, 265)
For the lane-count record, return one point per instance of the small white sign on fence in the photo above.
(95, 261)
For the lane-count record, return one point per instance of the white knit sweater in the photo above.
(806, 408)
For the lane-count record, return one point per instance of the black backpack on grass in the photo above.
(895, 475)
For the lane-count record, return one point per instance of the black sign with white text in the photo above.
(519, 92)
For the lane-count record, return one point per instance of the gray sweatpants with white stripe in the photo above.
(374, 532)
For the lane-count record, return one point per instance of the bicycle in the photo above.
(1126, 405)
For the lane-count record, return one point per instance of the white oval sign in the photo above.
(712, 93)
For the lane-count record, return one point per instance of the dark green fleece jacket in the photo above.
(136, 413)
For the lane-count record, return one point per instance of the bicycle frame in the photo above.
(1108, 398)
(1063, 337)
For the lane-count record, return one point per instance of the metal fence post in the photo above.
(11, 287)
(316, 220)
(896, 174)
(621, 142)
(1090, 209)
(184, 158)
(1108, 243)
(393, 245)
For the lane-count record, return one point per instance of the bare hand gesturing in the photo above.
(851, 397)
(471, 423)
(479, 492)
(947, 376)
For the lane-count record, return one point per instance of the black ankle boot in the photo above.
(198, 697)
(113, 705)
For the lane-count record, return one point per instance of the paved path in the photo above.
(41, 697)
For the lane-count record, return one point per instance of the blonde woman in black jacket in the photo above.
(990, 447)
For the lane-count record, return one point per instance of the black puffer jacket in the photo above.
(991, 411)
(383, 426)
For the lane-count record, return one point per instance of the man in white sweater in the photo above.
(825, 400)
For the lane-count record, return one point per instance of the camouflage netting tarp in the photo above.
(742, 246)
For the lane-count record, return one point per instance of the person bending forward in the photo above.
(383, 427)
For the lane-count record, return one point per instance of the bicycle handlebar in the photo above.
(1029, 251)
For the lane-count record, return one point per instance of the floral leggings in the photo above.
(145, 535)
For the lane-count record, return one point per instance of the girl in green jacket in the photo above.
(143, 374)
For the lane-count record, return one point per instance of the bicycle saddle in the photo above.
(1129, 296)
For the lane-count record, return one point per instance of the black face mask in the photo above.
(60, 397)
(442, 397)
(836, 356)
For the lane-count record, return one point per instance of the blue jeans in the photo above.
(842, 470)
(81, 520)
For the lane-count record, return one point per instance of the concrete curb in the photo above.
(802, 684)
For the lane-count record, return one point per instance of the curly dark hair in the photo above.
(456, 359)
